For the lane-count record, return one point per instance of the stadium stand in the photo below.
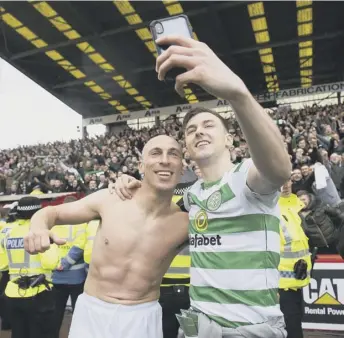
(90, 164)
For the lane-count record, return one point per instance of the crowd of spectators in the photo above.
(313, 134)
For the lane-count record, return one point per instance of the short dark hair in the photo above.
(198, 110)
(302, 192)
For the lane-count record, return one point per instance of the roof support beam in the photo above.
(254, 48)
(326, 36)
(127, 28)
(322, 74)
(108, 75)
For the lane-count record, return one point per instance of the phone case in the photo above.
(173, 73)
(171, 18)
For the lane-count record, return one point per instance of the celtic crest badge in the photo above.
(214, 201)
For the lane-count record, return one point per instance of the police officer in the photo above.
(174, 290)
(5, 228)
(295, 262)
(69, 277)
(91, 232)
(29, 292)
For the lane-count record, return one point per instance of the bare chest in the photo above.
(126, 227)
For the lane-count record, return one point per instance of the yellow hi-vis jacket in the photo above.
(6, 228)
(72, 265)
(179, 271)
(91, 232)
(294, 243)
(2, 224)
(21, 263)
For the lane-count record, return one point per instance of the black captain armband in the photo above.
(181, 205)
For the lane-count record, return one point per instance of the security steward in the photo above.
(70, 275)
(29, 292)
(174, 290)
(295, 261)
(5, 228)
(91, 232)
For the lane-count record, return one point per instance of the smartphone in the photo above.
(175, 25)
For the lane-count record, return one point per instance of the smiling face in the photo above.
(162, 163)
(286, 189)
(206, 137)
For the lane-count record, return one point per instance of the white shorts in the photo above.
(94, 318)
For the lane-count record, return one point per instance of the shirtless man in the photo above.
(134, 246)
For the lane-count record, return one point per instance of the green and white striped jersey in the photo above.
(235, 250)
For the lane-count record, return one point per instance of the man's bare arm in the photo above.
(81, 211)
(40, 237)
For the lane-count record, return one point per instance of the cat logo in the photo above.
(201, 221)
(327, 291)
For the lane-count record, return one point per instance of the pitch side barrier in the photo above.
(177, 109)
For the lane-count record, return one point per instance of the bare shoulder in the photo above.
(99, 199)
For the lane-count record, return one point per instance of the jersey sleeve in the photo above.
(269, 200)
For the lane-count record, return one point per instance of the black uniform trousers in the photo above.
(5, 320)
(62, 293)
(172, 299)
(291, 306)
(32, 317)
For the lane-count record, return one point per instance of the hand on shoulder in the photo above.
(124, 187)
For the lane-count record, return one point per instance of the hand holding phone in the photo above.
(176, 25)
(202, 65)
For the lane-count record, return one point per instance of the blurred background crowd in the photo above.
(314, 134)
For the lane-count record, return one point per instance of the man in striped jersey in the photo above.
(234, 218)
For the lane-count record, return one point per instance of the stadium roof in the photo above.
(98, 56)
